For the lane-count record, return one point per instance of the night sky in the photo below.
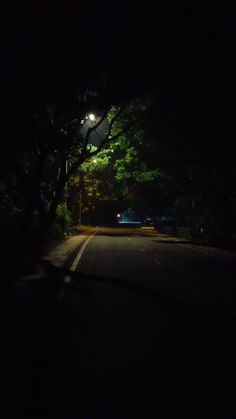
(183, 50)
(136, 41)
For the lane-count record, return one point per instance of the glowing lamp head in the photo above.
(91, 117)
(117, 215)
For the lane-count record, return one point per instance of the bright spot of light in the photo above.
(94, 161)
(91, 117)
(118, 215)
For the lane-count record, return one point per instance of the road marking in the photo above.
(158, 262)
(205, 252)
(67, 279)
(185, 284)
(78, 257)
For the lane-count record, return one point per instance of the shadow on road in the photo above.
(167, 240)
(126, 232)
(113, 350)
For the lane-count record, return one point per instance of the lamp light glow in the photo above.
(91, 117)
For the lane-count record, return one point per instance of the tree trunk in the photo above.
(34, 196)
(227, 223)
(51, 215)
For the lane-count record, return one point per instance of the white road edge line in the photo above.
(78, 257)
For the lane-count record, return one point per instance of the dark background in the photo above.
(136, 41)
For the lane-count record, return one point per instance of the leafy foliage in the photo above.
(63, 217)
(164, 148)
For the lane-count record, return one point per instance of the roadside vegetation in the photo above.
(62, 165)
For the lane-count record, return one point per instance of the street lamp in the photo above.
(91, 117)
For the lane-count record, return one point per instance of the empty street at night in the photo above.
(118, 210)
(149, 327)
(143, 325)
(167, 264)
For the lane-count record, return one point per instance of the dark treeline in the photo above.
(57, 65)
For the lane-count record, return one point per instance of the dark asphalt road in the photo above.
(167, 353)
(151, 335)
(173, 267)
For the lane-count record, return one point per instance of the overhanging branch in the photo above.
(85, 156)
(90, 130)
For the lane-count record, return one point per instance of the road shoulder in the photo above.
(61, 253)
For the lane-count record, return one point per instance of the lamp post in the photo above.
(88, 122)
(93, 120)
(80, 207)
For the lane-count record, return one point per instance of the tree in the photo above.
(166, 139)
(57, 150)
(185, 156)
(94, 184)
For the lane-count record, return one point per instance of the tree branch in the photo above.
(111, 139)
(90, 130)
(106, 140)
(113, 121)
